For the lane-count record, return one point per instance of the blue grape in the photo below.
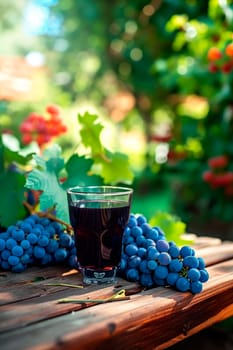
(32, 238)
(60, 254)
(132, 275)
(18, 234)
(2, 244)
(160, 232)
(141, 252)
(175, 265)
(204, 275)
(201, 264)
(159, 281)
(65, 240)
(182, 284)
(10, 243)
(174, 251)
(17, 250)
(46, 259)
(141, 220)
(128, 240)
(44, 222)
(5, 265)
(131, 249)
(140, 241)
(13, 260)
(161, 272)
(193, 274)
(43, 241)
(152, 265)
(50, 230)
(162, 245)
(132, 221)
(143, 267)
(73, 261)
(153, 234)
(164, 258)
(148, 243)
(136, 231)
(186, 251)
(25, 259)
(26, 226)
(52, 246)
(25, 244)
(146, 280)
(39, 252)
(5, 254)
(190, 261)
(146, 228)
(18, 268)
(134, 261)
(196, 287)
(152, 253)
(172, 278)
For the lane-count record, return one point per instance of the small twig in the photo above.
(118, 296)
(47, 214)
(98, 301)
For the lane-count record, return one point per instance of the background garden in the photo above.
(140, 92)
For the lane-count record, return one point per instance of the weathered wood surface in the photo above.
(32, 318)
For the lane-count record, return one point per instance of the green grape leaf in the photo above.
(172, 226)
(115, 169)
(78, 168)
(12, 197)
(45, 179)
(90, 132)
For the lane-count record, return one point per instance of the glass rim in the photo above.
(100, 190)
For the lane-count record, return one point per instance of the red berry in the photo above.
(53, 110)
(227, 67)
(26, 139)
(214, 54)
(229, 50)
(208, 176)
(213, 68)
(218, 161)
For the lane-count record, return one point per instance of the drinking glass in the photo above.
(98, 215)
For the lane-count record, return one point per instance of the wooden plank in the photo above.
(155, 318)
(20, 300)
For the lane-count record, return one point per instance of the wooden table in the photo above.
(32, 318)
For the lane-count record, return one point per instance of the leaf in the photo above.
(90, 132)
(45, 178)
(78, 168)
(115, 170)
(12, 196)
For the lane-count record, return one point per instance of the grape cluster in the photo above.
(35, 241)
(148, 258)
(42, 129)
(219, 175)
(221, 60)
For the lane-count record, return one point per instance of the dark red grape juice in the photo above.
(98, 233)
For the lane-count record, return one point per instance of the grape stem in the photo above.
(47, 214)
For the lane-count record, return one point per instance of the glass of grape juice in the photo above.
(98, 215)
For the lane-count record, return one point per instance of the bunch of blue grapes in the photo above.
(149, 259)
(36, 241)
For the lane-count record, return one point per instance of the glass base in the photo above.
(91, 276)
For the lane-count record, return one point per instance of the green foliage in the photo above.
(12, 181)
(45, 178)
(100, 166)
(112, 167)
